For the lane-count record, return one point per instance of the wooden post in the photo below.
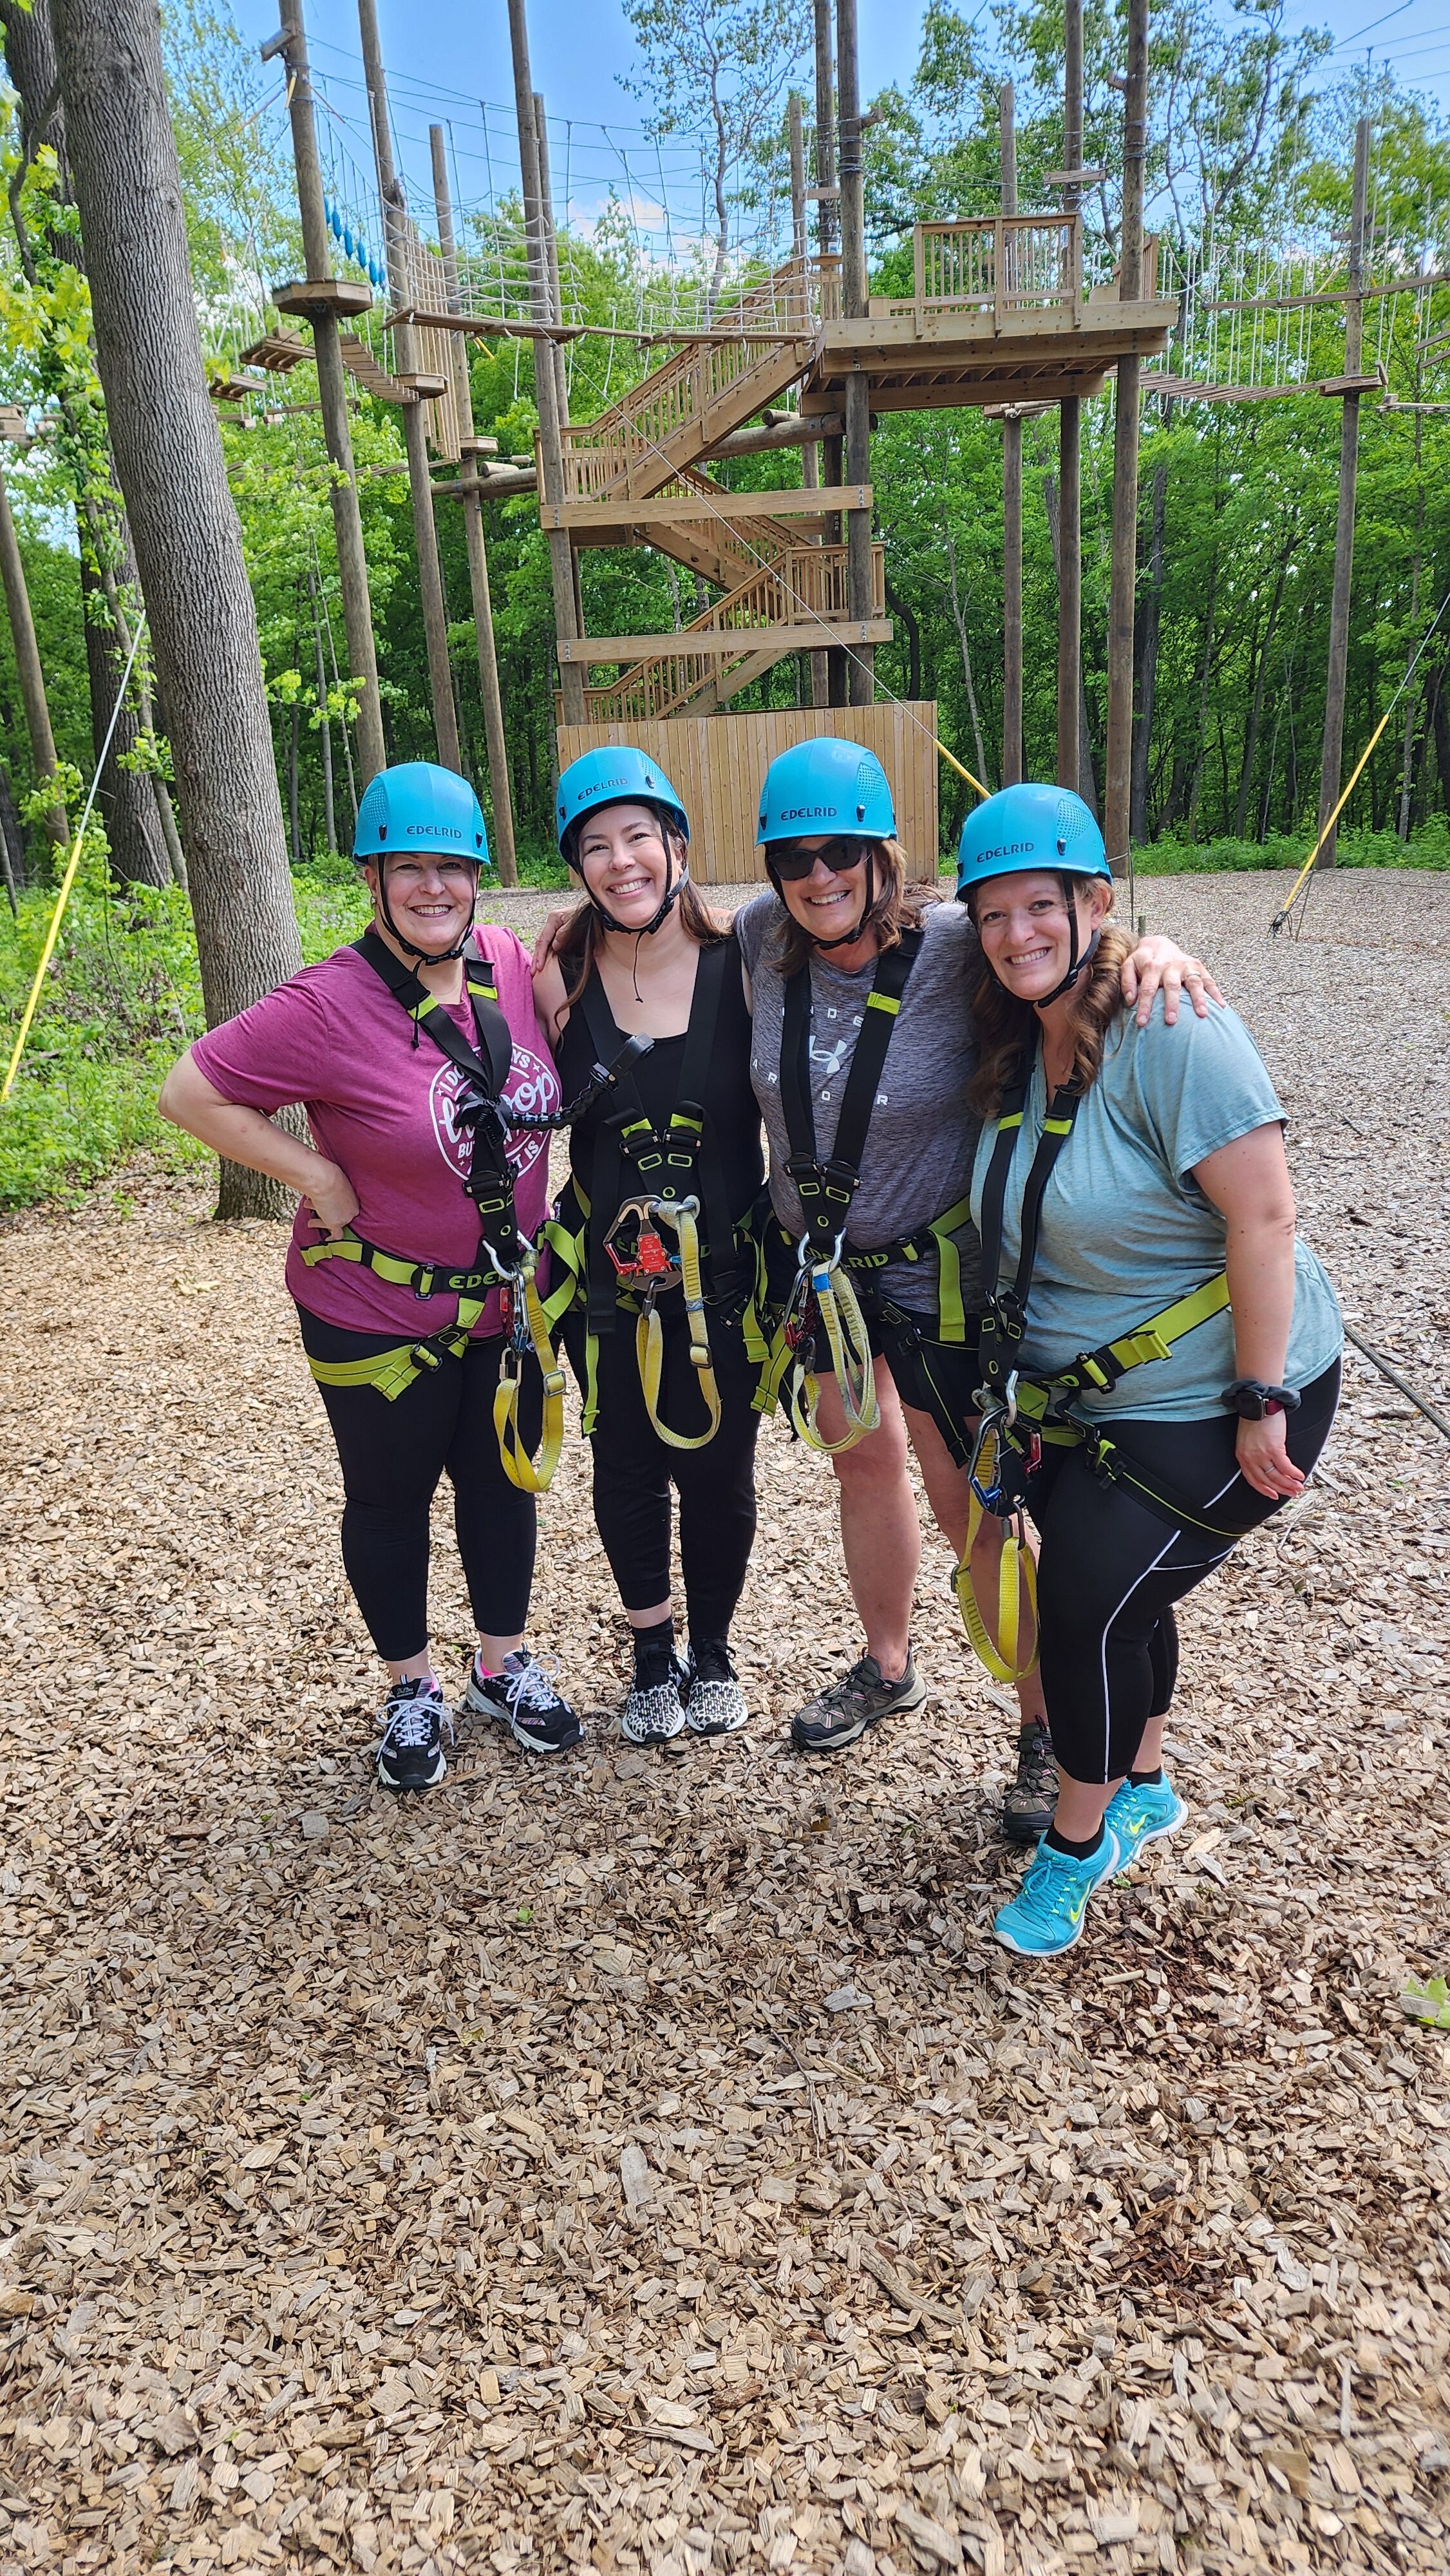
(1011, 506)
(861, 683)
(551, 461)
(832, 458)
(810, 452)
(1119, 765)
(1335, 678)
(415, 437)
(352, 567)
(488, 687)
(551, 253)
(27, 665)
(1069, 461)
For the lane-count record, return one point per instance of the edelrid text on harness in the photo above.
(822, 1301)
(1020, 1411)
(657, 1215)
(505, 1258)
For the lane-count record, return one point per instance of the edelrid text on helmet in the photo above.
(615, 776)
(1029, 826)
(826, 781)
(421, 804)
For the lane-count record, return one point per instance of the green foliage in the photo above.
(1427, 1999)
(1427, 848)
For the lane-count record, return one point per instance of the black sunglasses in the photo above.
(788, 859)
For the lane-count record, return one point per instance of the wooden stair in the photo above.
(773, 613)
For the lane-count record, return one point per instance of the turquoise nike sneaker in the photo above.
(1139, 1815)
(1047, 1913)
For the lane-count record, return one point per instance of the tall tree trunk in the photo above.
(183, 524)
(1200, 734)
(898, 608)
(1150, 622)
(1256, 704)
(12, 840)
(136, 810)
(125, 799)
(1087, 785)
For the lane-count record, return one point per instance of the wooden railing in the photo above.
(712, 382)
(998, 264)
(806, 582)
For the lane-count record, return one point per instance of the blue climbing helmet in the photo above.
(433, 813)
(1030, 826)
(1035, 826)
(420, 806)
(829, 786)
(616, 775)
(620, 775)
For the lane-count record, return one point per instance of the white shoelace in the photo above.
(410, 1721)
(528, 1682)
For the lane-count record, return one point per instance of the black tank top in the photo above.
(732, 1117)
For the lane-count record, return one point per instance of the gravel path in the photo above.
(651, 2164)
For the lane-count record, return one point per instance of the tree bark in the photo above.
(125, 798)
(1149, 629)
(136, 809)
(899, 608)
(1256, 709)
(183, 524)
(12, 840)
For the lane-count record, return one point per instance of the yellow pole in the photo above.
(72, 870)
(960, 770)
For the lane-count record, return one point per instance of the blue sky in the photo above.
(443, 56)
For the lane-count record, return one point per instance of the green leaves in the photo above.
(1427, 1999)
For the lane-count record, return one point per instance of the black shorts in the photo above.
(939, 1378)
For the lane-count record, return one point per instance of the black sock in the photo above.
(654, 1647)
(1075, 1851)
(1146, 1779)
(712, 1658)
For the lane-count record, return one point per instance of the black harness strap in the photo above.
(826, 1188)
(633, 1159)
(1004, 1322)
(486, 1066)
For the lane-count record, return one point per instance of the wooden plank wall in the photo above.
(717, 764)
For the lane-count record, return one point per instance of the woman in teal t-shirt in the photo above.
(1127, 1176)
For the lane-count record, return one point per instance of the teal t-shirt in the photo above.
(1125, 1229)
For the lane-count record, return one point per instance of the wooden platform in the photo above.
(717, 763)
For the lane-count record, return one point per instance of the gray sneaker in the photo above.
(1031, 1802)
(836, 1717)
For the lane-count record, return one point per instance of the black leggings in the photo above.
(634, 1470)
(393, 1455)
(1110, 1571)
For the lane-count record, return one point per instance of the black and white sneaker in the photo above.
(523, 1699)
(654, 1711)
(714, 1701)
(415, 1721)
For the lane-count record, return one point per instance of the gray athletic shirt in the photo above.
(923, 1137)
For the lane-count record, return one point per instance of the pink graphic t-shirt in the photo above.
(335, 1039)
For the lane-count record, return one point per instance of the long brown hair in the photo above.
(1007, 1029)
(577, 947)
(895, 906)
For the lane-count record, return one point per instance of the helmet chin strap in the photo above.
(428, 956)
(848, 938)
(645, 930)
(1075, 965)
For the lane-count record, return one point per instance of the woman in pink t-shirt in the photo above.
(393, 1112)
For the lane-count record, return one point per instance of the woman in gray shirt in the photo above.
(841, 909)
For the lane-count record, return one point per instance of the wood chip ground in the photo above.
(651, 2164)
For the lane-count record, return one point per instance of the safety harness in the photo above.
(505, 1258)
(641, 1235)
(1020, 1411)
(823, 1301)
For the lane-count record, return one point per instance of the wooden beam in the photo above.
(1337, 671)
(1069, 447)
(1118, 761)
(471, 448)
(492, 326)
(339, 296)
(690, 640)
(561, 555)
(798, 502)
(801, 429)
(1011, 497)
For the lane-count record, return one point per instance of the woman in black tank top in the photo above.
(666, 1167)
